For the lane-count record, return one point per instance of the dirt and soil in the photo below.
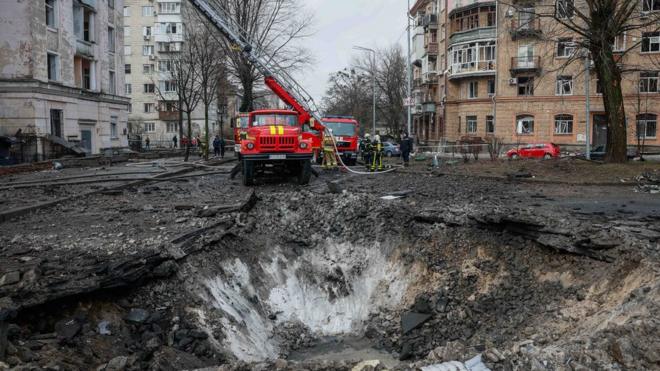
(205, 273)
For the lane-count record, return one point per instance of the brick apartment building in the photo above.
(61, 67)
(487, 68)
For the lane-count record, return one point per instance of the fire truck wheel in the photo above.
(305, 172)
(248, 173)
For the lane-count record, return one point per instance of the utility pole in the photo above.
(373, 80)
(409, 68)
(587, 81)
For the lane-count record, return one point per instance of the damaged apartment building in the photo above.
(61, 78)
(498, 69)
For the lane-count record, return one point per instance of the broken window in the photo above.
(149, 88)
(563, 124)
(525, 85)
(647, 125)
(127, 69)
(56, 122)
(149, 107)
(650, 5)
(564, 85)
(648, 82)
(165, 65)
(565, 48)
(525, 124)
(147, 69)
(490, 124)
(564, 8)
(651, 42)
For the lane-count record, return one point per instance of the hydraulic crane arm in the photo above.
(276, 78)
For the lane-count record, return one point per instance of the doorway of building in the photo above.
(599, 131)
(86, 139)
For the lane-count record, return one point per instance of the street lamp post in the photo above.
(409, 70)
(373, 80)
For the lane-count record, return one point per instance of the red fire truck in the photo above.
(274, 143)
(274, 139)
(345, 129)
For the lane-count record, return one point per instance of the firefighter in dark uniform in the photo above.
(367, 151)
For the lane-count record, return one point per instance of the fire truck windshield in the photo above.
(341, 129)
(275, 119)
(243, 122)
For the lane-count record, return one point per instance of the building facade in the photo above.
(60, 76)
(503, 72)
(154, 32)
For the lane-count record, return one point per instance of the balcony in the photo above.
(417, 82)
(529, 64)
(168, 115)
(471, 35)
(524, 28)
(430, 20)
(84, 48)
(430, 78)
(471, 69)
(432, 49)
(428, 107)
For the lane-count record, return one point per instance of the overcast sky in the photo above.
(340, 24)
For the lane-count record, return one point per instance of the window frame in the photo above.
(146, 89)
(528, 86)
(565, 44)
(128, 89)
(566, 11)
(149, 107)
(113, 128)
(127, 11)
(647, 118)
(490, 84)
(520, 122)
(566, 121)
(56, 67)
(147, 50)
(490, 124)
(147, 11)
(471, 124)
(650, 6)
(149, 127)
(112, 44)
(562, 82)
(649, 81)
(649, 39)
(53, 12)
(473, 89)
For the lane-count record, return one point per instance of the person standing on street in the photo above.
(367, 150)
(216, 146)
(406, 148)
(175, 141)
(146, 143)
(222, 147)
(329, 159)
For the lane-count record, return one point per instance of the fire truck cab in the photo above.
(345, 130)
(274, 143)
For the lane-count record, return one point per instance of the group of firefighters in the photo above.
(372, 152)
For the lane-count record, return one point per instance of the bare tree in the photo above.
(178, 84)
(391, 83)
(597, 27)
(349, 93)
(210, 62)
(275, 27)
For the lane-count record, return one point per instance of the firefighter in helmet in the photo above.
(367, 150)
(377, 156)
(329, 159)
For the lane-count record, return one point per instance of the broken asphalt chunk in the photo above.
(412, 320)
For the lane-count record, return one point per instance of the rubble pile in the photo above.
(451, 272)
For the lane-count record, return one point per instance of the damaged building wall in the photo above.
(61, 73)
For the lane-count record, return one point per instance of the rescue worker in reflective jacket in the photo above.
(367, 151)
(329, 159)
(377, 157)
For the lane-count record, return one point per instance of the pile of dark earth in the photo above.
(529, 277)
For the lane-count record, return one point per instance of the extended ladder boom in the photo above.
(276, 78)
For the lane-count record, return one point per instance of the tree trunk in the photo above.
(189, 137)
(610, 77)
(247, 103)
(206, 131)
(180, 123)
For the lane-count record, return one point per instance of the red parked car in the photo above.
(535, 150)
